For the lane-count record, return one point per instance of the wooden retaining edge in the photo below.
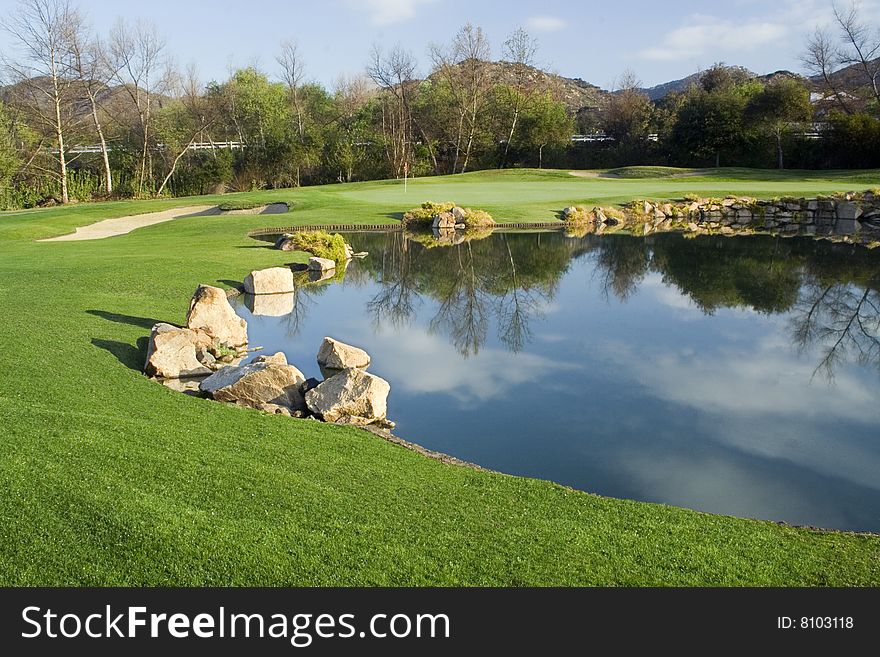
(548, 225)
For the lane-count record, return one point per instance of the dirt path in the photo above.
(124, 225)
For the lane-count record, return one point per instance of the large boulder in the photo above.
(321, 264)
(444, 220)
(459, 215)
(278, 358)
(274, 280)
(210, 310)
(352, 395)
(337, 355)
(256, 385)
(171, 353)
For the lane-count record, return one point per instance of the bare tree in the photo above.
(861, 45)
(351, 96)
(136, 55)
(293, 73)
(45, 72)
(395, 72)
(195, 114)
(519, 52)
(463, 66)
(821, 59)
(94, 77)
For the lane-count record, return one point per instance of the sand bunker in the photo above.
(124, 225)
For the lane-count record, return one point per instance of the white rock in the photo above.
(210, 310)
(278, 358)
(352, 393)
(321, 264)
(257, 384)
(274, 280)
(171, 353)
(337, 355)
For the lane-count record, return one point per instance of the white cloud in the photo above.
(710, 37)
(388, 12)
(545, 23)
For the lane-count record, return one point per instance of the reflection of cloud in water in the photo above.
(722, 486)
(653, 287)
(420, 363)
(754, 400)
(552, 338)
(763, 377)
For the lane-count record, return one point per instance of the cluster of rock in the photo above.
(347, 395)
(599, 218)
(848, 217)
(454, 219)
(206, 356)
(214, 337)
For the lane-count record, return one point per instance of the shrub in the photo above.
(320, 243)
(578, 216)
(426, 213)
(477, 218)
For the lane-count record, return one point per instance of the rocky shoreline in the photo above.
(852, 217)
(206, 358)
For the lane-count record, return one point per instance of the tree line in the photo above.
(141, 116)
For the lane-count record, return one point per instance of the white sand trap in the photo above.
(124, 225)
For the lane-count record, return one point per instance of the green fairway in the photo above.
(107, 478)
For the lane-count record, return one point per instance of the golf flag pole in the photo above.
(405, 175)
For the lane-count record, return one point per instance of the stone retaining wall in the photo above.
(852, 217)
(855, 216)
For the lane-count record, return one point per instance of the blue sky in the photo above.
(595, 41)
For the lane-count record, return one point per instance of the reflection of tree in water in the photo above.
(763, 274)
(398, 298)
(506, 279)
(839, 310)
(509, 278)
(622, 261)
(463, 305)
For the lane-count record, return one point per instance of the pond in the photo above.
(737, 376)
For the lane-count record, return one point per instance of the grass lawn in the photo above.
(107, 478)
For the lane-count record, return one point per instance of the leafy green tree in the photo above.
(546, 123)
(711, 118)
(853, 140)
(778, 109)
(9, 159)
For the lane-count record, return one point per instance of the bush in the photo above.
(320, 243)
(426, 213)
(477, 219)
(578, 216)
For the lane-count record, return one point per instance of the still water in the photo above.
(738, 376)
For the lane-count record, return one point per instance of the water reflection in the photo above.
(509, 280)
(732, 375)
